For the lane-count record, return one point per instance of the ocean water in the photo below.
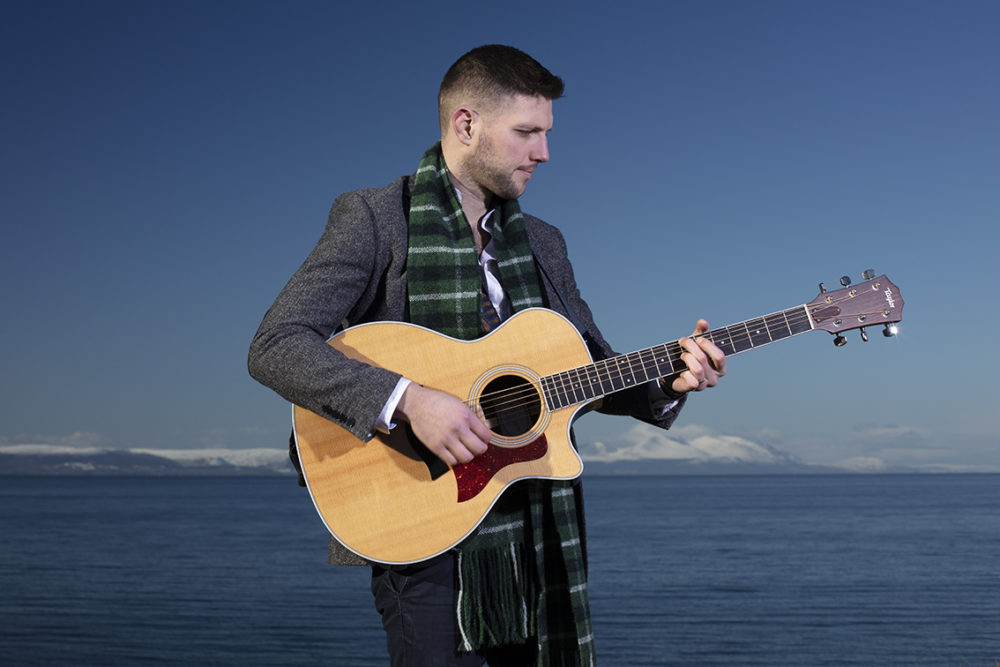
(726, 570)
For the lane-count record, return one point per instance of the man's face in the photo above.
(512, 142)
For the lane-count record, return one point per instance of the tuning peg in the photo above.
(889, 331)
(864, 335)
(822, 288)
(868, 274)
(839, 341)
(845, 280)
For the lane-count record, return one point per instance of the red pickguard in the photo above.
(472, 477)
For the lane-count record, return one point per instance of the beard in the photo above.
(488, 172)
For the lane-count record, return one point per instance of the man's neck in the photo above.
(475, 205)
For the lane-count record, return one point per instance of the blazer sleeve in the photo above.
(338, 280)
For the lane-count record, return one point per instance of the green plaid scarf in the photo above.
(522, 575)
(443, 274)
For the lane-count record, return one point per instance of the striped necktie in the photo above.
(488, 317)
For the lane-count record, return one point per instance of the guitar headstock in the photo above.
(874, 302)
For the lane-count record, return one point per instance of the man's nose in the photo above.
(541, 152)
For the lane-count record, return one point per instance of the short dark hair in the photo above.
(494, 71)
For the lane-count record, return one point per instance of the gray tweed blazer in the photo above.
(357, 273)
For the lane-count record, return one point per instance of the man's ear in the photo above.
(464, 124)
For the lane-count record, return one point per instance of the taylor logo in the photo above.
(888, 297)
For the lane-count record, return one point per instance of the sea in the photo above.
(684, 570)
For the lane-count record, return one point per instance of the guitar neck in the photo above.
(588, 383)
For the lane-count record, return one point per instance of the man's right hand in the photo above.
(446, 425)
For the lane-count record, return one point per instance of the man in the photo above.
(514, 593)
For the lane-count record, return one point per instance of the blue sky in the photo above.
(167, 165)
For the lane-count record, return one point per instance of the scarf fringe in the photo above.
(503, 612)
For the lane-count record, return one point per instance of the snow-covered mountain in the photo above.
(65, 460)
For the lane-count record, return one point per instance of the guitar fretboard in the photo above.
(587, 383)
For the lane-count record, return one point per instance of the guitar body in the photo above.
(391, 501)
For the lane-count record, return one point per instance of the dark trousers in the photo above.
(417, 604)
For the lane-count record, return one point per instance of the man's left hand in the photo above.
(705, 362)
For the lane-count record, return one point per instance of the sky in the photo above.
(166, 166)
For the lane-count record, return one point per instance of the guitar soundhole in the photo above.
(511, 405)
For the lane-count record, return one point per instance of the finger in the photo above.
(442, 452)
(471, 440)
(700, 327)
(693, 364)
(463, 454)
(716, 356)
(687, 381)
(470, 447)
(714, 353)
(462, 450)
(696, 355)
(694, 382)
(695, 372)
(481, 432)
(701, 370)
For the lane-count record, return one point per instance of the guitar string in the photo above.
(570, 384)
(642, 361)
(525, 397)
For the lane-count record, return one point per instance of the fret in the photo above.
(741, 337)
(573, 386)
(675, 356)
(592, 381)
(647, 367)
(757, 331)
(567, 388)
(585, 382)
(603, 378)
(548, 394)
(798, 320)
(624, 363)
(614, 376)
(566, 384)
(661, 358)
(644, 365)
(777, 326)
(555, 393)
(723, 340)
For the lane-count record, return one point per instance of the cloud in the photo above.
(244, 458)
(49, 450)
(683, 443)
(876, 447)
(862, 464)
(894, 433)
(74, 442)
(228, 438)
(249, 458)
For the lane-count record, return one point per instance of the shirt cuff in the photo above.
(384, 422)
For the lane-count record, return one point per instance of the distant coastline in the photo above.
(64, 461)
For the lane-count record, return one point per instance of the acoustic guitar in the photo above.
(391, 501)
